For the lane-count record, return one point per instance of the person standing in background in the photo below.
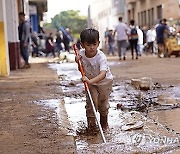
(59, 41)
(144, 30)
(110, 42)
(35, 44)
(140, 41)
(161, 34)
(151, 37)
(50, 45)
(133, 38)
(24, 37)
(67, 39)
(122, 38)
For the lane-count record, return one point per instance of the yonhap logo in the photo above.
(138, 139)
(142, 139)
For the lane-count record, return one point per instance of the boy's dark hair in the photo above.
(21, 14)
(89, 35)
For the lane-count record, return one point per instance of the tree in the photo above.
(69, 19)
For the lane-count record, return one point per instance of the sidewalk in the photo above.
(29, 127)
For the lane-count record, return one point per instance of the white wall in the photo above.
(101, 17)
(12, 20)
(104, 16)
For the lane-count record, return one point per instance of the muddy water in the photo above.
(152, 137)
(170, 118)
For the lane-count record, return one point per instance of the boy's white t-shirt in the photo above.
(93, 66)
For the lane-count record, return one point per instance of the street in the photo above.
(39, 104)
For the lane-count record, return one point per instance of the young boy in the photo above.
(98, 77)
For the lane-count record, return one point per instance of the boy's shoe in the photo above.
(92, 130)
(104, 122)
(92, 127)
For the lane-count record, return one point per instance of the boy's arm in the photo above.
(96, 79)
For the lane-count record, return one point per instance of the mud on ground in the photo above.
(161, 127)
(27, 127)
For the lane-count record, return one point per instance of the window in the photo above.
(139, 18)
(149, 17)
(152, 16)
(129, 16)
(159, 12)
(145, 22)
(142, 21)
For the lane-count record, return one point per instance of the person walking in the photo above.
(110, 42)
(35, 45)
(161, 34)
(140, 41)
(97, 76)
(50, 45)
(151, 37)
(24, 37)
(121, 29)
(133, 38)
(59, 41)
(67, 38)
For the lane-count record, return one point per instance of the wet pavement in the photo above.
(32, 113)
(159, 116)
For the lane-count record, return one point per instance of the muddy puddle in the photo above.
(139, 121)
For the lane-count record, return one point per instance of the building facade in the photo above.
(9, 40)
(150, 12)
(103, 14)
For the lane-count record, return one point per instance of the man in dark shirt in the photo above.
(161, 32)
(24, 37)
(110, 41)
(59, 41)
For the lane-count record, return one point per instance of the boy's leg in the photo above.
(91, 121)
(103, 103)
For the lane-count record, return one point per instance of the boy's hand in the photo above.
(77, 58)
(85, 79)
